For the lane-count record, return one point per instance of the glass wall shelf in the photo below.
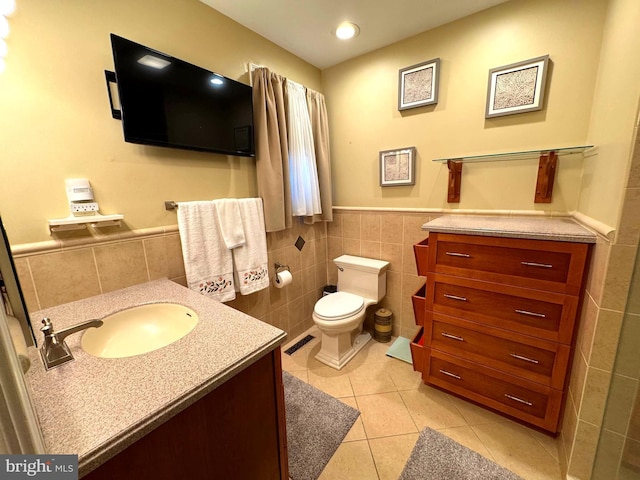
(526, 154)
(547, 158)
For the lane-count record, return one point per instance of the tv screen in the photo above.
(168, 102)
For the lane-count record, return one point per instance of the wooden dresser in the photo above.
(499, 311)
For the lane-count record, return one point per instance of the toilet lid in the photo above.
(338, 305)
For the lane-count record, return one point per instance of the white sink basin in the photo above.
(139, 330)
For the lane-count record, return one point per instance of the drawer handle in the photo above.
(455, 297)
(535, 264)
(526, 359)
(456, 254)
(517, 399)
(531, 314)
(452, 337)
(449, 374)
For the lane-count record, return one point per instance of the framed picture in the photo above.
(517, 88)
(418, 85)
(398, 167)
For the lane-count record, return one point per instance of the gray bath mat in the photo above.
(316, 425)
(437, 457)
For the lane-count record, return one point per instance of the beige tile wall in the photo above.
(593, 361)
(69, 273)
(606, 365)
(53, 277)
(620, 427)
(386, 236)
(290, 308)
(74, 270)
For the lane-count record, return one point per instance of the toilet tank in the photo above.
(366, 277)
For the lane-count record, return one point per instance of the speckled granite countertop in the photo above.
(540, 228)
(96, 407)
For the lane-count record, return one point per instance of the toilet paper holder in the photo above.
(280, 267)
(286, 278)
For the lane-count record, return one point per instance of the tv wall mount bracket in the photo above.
(111, 89)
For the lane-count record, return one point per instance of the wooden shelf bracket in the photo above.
(455, 179)
(546, 176)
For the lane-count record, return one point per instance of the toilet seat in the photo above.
(338, 305)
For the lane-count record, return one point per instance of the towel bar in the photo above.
(170, 205)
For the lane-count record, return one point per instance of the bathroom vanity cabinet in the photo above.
(235, 432)
(209, 405)
(498, 318)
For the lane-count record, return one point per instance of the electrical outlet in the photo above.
(79, 209)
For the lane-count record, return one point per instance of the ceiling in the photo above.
(305, 28)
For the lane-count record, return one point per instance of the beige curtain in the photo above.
(272, 157)
(320, 129)
(269, 113)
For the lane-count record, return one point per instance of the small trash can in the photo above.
(383, 325)
(329, 289)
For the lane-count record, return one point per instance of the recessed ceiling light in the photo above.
(216, 79)
(7, 7)
(347, 30)
(153, 62)
(4, 27)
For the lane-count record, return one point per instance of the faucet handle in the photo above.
(53, 351)
(48, 326)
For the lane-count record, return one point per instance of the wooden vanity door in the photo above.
(235, 432)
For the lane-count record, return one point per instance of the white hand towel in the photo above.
(207, 260)
(230, 222)
(251, 262)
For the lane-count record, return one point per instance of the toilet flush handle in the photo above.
(340, 268)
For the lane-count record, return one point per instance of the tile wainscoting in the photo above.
(386, 236)
(68, 269)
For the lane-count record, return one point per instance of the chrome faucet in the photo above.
(54, 351)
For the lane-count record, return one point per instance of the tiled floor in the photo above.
(395, 406)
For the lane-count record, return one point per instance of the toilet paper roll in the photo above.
(283, 279)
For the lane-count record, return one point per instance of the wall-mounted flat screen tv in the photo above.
(168, 102)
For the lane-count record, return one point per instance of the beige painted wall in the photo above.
(362, 104)
(55, 121)
(613, 116)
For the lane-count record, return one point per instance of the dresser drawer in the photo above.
(540, 264)
(418, 351)
(418, 300)
(421, 252)
(541, 314)
(538, 360)
(534, 403)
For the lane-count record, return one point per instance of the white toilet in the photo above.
(361, 282)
